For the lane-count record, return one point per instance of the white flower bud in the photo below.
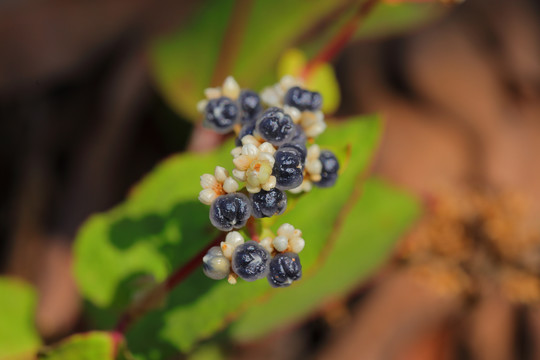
(208, 181)
(281, 243)
(221, 174)
(230, 185)
(230, 88)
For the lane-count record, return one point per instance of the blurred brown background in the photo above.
(81, 122)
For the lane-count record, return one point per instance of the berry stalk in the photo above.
(251, 228)
(338, 42)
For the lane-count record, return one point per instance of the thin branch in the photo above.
(338, 42)
(155, 297)
(251, 228)
(232, 40)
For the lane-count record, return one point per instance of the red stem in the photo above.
(338, 42)
(129, 316)
(251, 228)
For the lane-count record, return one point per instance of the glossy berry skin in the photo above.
(284, 269)
(220, 114)
(330, 167)
(275, 126)
(268, 203)
(230, 211)
(300, 147)
(250, 261)
(247, 129)
(303, 99)
(250, 105)
(288, 168)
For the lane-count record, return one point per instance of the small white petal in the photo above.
(207, 196)
(296, 190)
(212, 93)
(297, 233)
(286, 230)
(201, 105)
(287, 82)
(314, 151)
(250, 139)
(281, 243)
(297, 244)
(270, 184)
(267, 148)
(230, 88)
(230, 185)
(221, 174)
(227, 250)
(234, 238)
(264, 156)
(267, 244)
(252, 189)
(293, 112)
(242, 162)
(270, 97)
(232, 279)
(239, 175)
(208, 181)
(237, 151)
(250, 149)
(314, 167)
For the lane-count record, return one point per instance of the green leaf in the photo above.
(162, 225)
(88, 346)
(183, 62)
(371, 224)
(19, 338)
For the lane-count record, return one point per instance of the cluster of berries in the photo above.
(271, 157)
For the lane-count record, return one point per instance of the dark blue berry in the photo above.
(303, 99)
(275, 126)
(230, 211)
(250, 104)
(301, 148)
(247, 129)
(220, 114)
(288, 168)
(330, 167)
(268, 203)
(284, 269)
(250, 261)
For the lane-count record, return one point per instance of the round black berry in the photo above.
(275, 126)
(220, 114)
(250, 261)
(303, 99)
(288, 168)
(250, 104)
(247, 129)
(298, 146)
(268, 203)
(330, 167)
(230, 211)
(284, 269)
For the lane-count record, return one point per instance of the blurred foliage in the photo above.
(19, 338)
(94, 345)
(183, 62)
(162, 225)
